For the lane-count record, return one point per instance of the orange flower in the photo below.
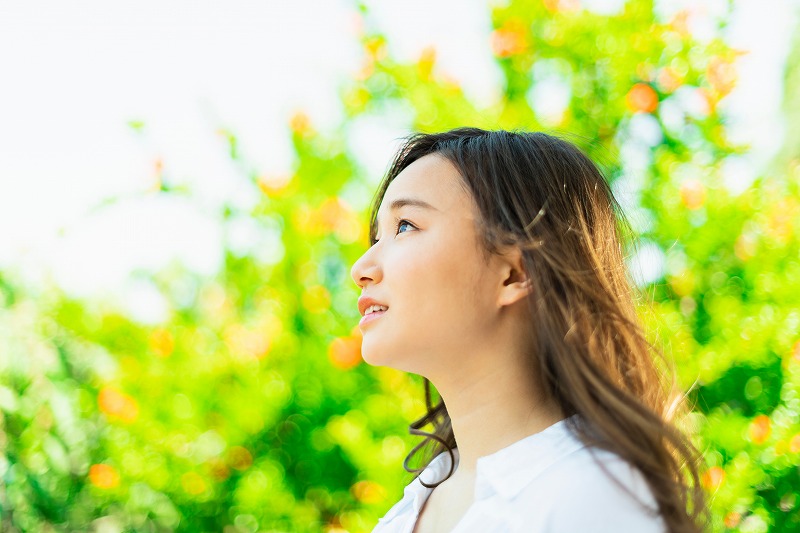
(710, 99)
(193, 483)
(218, 469)
(510, 39)
(713, 477)
(680, 22)
(426, 61)
(732, 519)
(300, 124)
(345, 352)
(368, 492)
(745, 247)
(240, 458)
(103, 476)
(669, 79)
(556, 6)
(117, 404)
(161, 342)
(248, 342)
(332, 215)
(760, 429)
(693, 194)
(330, 211)
(794, 444)
(721, 74)
(350, 229)
(781, 219)
(642, 97)
(796, 351)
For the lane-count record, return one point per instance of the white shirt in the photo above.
(546, 482)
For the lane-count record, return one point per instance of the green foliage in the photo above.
(249, 409)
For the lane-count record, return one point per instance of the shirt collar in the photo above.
(507, 471)
(436, 471)
(510, 469)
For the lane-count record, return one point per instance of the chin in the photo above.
(376, 354)
(374, 357)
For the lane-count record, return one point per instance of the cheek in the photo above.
(439, 286)
(438, 306)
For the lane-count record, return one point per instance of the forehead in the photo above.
(433, 179)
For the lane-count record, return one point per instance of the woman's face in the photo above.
(428, 269)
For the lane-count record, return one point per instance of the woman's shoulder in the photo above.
(594, 490)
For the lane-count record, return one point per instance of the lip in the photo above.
(365, 302)
(372, 317)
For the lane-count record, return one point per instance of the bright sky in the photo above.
(75, 73)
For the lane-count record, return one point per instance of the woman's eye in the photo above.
(401, 223)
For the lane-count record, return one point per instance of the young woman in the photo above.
(496, 272)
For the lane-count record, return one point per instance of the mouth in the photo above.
(367, 305)
(370, 317)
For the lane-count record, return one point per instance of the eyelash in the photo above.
(398, 222)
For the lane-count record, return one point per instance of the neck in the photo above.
(494, 410)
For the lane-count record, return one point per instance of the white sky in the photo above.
(74, 73)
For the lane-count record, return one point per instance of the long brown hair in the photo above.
(543, 194)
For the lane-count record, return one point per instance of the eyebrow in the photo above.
(416, 202)
(403, 202)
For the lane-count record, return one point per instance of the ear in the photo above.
(514, 282)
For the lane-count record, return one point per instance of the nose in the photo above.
(366, 269)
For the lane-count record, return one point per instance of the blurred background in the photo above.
(183, 189)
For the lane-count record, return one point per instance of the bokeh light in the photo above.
(236, 400)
